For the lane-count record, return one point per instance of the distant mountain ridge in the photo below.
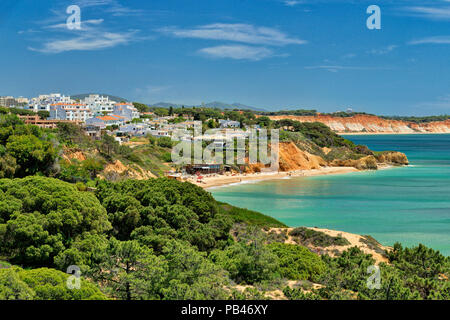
(214, 104)
(111, 97)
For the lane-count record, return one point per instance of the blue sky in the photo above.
(270, 54)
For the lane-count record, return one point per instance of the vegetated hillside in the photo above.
(165, 239)
(307, 146)
(68, 154)
(363, 123)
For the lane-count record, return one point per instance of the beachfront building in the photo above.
(203, 169)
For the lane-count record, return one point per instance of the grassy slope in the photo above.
(249, 217)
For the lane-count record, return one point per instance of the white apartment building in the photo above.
(72, 112)
(52, 98)
(99, 105)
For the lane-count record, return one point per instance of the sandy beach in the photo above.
(222, 180)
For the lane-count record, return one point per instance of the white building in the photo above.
(52, 98)
(99, 105)
(72, 112)
(126, 110)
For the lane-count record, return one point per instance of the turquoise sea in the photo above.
(410, 205)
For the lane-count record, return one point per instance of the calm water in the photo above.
(408, 204)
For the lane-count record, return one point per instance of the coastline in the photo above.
(224, 180)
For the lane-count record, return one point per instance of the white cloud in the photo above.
(237, 52)
(92, 35)
(86, 42)
(243, 33)
(336, 68)
(113, 7)
(432, 40)
(384, 50)
(84, 24)
(291, 3)
(95, 3)
(434, 13)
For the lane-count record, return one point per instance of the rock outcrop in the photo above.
(365, 163)
(392, 158)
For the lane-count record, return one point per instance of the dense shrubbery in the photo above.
(297, 262)
(308, 236)
(43, 284)
(24, 150)
(163, 239)
(40, 217)
(418, 273)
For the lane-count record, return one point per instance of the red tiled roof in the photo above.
(110, 117)
(106, 118)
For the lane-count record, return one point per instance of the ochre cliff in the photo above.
(371, 124)
(292, 158)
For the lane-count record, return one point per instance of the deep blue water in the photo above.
(410, 205)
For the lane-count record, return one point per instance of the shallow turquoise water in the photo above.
(410, 205)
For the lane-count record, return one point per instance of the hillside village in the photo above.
(96, 113)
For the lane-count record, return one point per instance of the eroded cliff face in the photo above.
(371, 124)
(292, 159)
(118, 171)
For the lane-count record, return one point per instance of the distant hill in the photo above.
(84, 95)
(214, 104)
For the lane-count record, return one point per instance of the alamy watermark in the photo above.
(374, 20)
(74, 281)
(74, 20)
(374, 281)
